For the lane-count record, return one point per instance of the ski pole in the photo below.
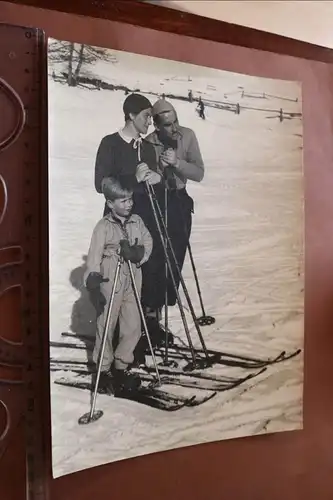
(92, 416)
(188, 298)
(179, 302)
(204, 320)
(166, 319)
(166, 361)
(137, 298)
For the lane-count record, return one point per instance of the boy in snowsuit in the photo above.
(119, 233)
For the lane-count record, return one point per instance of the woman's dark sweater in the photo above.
(119, 158)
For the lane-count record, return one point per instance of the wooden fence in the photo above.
(234, 107)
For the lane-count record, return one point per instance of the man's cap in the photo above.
(135, 103)
(162, 106)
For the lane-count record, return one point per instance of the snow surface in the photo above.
(247, 240)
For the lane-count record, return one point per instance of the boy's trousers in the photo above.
(125, 308)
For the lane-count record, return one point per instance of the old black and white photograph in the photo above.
(176, 266)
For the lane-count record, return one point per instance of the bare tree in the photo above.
(80, 63)
(70, 65)
(70, 55)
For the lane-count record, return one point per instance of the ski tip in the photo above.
(293, 354)
(194, 401)
(87, 418)
(261, 371)
(211, 396)
(284, 356)
(255, 374)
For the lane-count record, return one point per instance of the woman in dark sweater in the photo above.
(124, 154)
(133, 160)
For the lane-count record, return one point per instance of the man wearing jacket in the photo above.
(179, 159)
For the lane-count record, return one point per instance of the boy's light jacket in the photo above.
(105, 241)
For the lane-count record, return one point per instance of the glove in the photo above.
(94, 281)
(133, 253)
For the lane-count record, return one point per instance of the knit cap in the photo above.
(162, 106)
(135, 103)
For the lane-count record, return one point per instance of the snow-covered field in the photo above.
(247, 241)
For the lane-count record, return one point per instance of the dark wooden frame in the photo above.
(186, 472)
(140, 13)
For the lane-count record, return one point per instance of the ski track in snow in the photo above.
(247, 243)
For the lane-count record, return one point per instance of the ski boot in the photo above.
(125, 381)
(167, 339)
(157, 333)
(105, 385)
(140, 352)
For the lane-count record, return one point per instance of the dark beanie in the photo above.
(135, 103)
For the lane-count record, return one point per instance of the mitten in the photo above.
(94, 281)
(98, 300)
(137, 252)
(93, 284)
(133, 253)
(125, 250)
